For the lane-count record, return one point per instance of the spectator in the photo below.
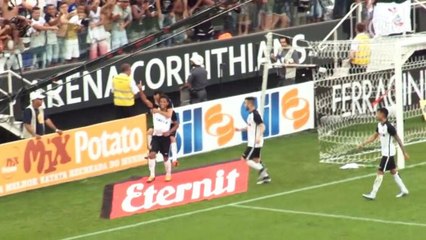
(316, 12)
(181, 8)
(286, 55)
(64, 16)
(5, 37)
(179, 12)
(266, 14)
(165, 17)
(5, 34)
(13, 31)
(38, 38)
(230, 20)
(282, 16)
(35, 120)
(124, 89)
(360, 50)
(73, 25)
(138, 14)
(122, 17)
(341, 7)
(150, 22)
(197, 80)
(204, 31)
(106, 12)
(193, 5)
(98, 20)
(98, 36)
(244, 20)
(82, 33)
(12, 9)
(54, 3)
(52, 48)
(72, 6)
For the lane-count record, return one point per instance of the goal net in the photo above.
(347, 97)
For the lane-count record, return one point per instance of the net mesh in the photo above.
(347, 96)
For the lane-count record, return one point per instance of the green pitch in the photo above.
(306, 200)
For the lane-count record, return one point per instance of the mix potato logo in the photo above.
(295, 108)
(219, 124)
(10, 163)
(76, 154)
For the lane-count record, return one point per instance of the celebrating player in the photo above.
(173, 145)
(162, 118)
(386, 131)
(255, 129)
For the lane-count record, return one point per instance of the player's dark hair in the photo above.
(251, 99)
(164, 96)
(158, 92)
(384, 111)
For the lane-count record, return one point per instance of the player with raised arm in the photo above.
(173, 145)
(255, 129)
(163, 127)
(385, 131)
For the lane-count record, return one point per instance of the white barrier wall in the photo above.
(210, 125)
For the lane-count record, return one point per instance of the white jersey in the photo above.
(161, 124)
(386, 132)
(253, 121)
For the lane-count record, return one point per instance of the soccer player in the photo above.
(160, 143)
(386, 131)
(255, 129)
(173, 145)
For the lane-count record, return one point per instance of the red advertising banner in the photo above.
(76, 154)
(136, 196)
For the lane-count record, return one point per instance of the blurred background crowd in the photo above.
(36, 34)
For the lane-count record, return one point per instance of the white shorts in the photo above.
(72, 49)
(118, 39)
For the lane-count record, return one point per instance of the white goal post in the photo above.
(346, 100)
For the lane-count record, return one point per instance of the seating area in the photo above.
(39, 34)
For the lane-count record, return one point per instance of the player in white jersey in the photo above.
(385, 131)
(255, 129)
(163, 127)
(173, 145)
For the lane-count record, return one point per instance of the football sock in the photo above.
(168, 167)
(255, 165)
(151, 165)
(173, 147)
(400, 183)
(376, 185)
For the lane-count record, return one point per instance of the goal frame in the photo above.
(403, 48)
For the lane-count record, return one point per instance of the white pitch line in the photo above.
(328, 215)
(227, 205)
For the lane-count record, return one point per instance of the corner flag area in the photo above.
(305, 200)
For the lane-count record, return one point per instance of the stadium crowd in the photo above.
(36, 34)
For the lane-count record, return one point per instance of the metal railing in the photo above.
(9, 91)
(359, 7)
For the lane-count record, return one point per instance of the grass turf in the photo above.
(73, 209)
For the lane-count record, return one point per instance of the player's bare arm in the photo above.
(244, 129)
(167, 114)
(371, 139)
(261, 130)
(401, 145)
(173, 129)
(143, 97)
